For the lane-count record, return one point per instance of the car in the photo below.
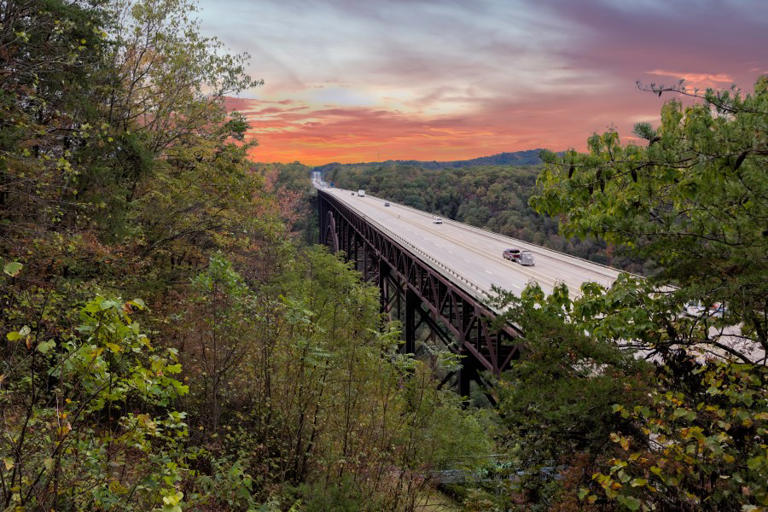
(437, 220)
(511, 254)
(526, 259)
(717, 310)
(386, 203)
(694, 308)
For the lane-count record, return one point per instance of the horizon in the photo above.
(353, 82)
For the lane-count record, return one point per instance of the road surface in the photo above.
(472, 257)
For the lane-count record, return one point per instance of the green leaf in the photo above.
(755, 462)
(46, 346)
(13, 268)
(629, 502)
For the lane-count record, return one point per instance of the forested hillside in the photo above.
(527, 157)
(491, 197)
(165, 345)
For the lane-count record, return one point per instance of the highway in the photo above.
(471, 257)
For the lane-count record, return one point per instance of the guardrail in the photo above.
(480, 293)
(562, 256)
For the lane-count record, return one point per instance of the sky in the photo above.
(371, 80)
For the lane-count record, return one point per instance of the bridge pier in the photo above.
(411, 304)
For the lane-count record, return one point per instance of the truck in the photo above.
(361, 193)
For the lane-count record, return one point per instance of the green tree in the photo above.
(693, 201)
(72, 434)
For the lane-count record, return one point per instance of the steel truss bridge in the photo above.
(420, 294)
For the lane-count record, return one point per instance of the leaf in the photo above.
(630, 502)
(755, 462)
(638, 482)
(583, 492)
(8, 463)
(13, 268)
(46, 346)
(113, 347)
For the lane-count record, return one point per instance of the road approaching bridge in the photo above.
(472, 257)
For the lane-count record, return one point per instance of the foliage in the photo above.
(71, 438)
(558, 399)
(311, 391)
(295, 197)
(692, 201)
(703, 448)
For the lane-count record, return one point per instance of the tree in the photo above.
(557, 400)
(693, 201)
(73, 437)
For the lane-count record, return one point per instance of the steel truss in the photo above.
(411, 286)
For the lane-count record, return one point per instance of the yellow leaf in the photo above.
(8, 463)
(114, 347)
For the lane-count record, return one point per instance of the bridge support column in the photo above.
(411, 303)
(384, 291)
(467, 373)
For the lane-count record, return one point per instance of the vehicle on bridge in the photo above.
(522, 257)
(386, 203)
(437, 220)
(361, 193)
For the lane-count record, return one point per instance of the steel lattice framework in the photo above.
(453, 315)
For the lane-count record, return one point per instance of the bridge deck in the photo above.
(472, 257)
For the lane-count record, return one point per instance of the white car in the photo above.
(437, 220)
(694, 309)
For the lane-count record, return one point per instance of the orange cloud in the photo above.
(317, 135)
(696, 80)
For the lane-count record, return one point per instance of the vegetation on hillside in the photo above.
(166, 343)
(165, 346)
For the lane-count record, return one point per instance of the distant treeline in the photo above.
(527, 157)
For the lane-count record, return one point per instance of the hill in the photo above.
(527, 157)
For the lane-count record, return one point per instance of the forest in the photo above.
(172, 339)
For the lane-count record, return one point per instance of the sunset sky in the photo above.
(369, 80)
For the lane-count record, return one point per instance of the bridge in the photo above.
(436, 277)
